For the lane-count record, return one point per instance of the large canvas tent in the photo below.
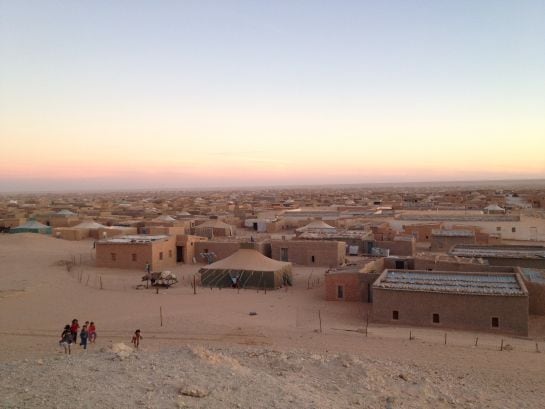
(316, 226)
(32, 226)
(249, 268)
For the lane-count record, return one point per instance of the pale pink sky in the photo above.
(188, 95)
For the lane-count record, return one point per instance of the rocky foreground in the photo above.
(196, 377)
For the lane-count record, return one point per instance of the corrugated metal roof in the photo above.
(535, 276)
(498, 251)
(459, 283)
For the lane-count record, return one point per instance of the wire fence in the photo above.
(323, 321)
(318, 320)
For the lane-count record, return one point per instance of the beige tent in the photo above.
(316, 225)
(91, 225)
(249, 268)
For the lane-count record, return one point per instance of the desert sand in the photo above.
(208, 344)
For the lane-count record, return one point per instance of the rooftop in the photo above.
(527, 252)
(460, 218)
(452, 233)
(451, 282)
(534, 275)
(135, 238)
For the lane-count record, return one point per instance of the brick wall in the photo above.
(444, 243)
(136, 255)
(398, 247)
(457, 311)
(310, 252)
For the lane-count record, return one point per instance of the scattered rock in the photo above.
(194, 391)
(121, 350)
(404, 377)
(40, 362)
(253, 313)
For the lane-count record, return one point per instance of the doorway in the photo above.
(179, 254)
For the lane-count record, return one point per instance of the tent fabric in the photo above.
(164, 218)
(89, 225)
(248, 260)
(249, 268)
(494, 207)
(32, 226)
(216, 224)
(65, 212)
(316, 225)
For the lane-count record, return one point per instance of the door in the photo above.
(179, 254)
(284, 254)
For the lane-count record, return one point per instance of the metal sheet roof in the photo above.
(451, 282)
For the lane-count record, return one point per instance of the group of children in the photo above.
(70, 335)
(88, 333)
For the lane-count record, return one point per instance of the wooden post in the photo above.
(87, 282)
(501, 346)
(410, 335)
(161, 314)
(100, 278)
(194, 285)
(476, 341)
(445, 338)
(320, 319)
(537, 347)
(156, 289)
(366, 323)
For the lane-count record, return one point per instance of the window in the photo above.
(498, 228)
(495, 322)
(395, 315)
(513, 229)
(114, 256)
(160, 255)
(435, 318)
(340, 292)
(133, 256)
(170, 253)
(312, 259)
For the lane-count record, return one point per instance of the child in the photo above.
(66, 339)
(83, 336)
(136, 338)
(92, 332)
(74, 330)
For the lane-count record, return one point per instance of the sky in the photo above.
(188, 94)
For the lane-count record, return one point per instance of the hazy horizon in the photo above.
(485, 183)
(166, 95)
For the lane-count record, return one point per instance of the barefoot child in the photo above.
(136, 338)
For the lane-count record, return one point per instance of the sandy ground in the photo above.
(209, 341)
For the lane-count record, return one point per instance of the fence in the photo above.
(327, 322)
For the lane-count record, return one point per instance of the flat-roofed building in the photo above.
(135, 251)
(534, 279)
(353, 282)
(309, 252)
(442, 240)
(479, 301)
(517, 256)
